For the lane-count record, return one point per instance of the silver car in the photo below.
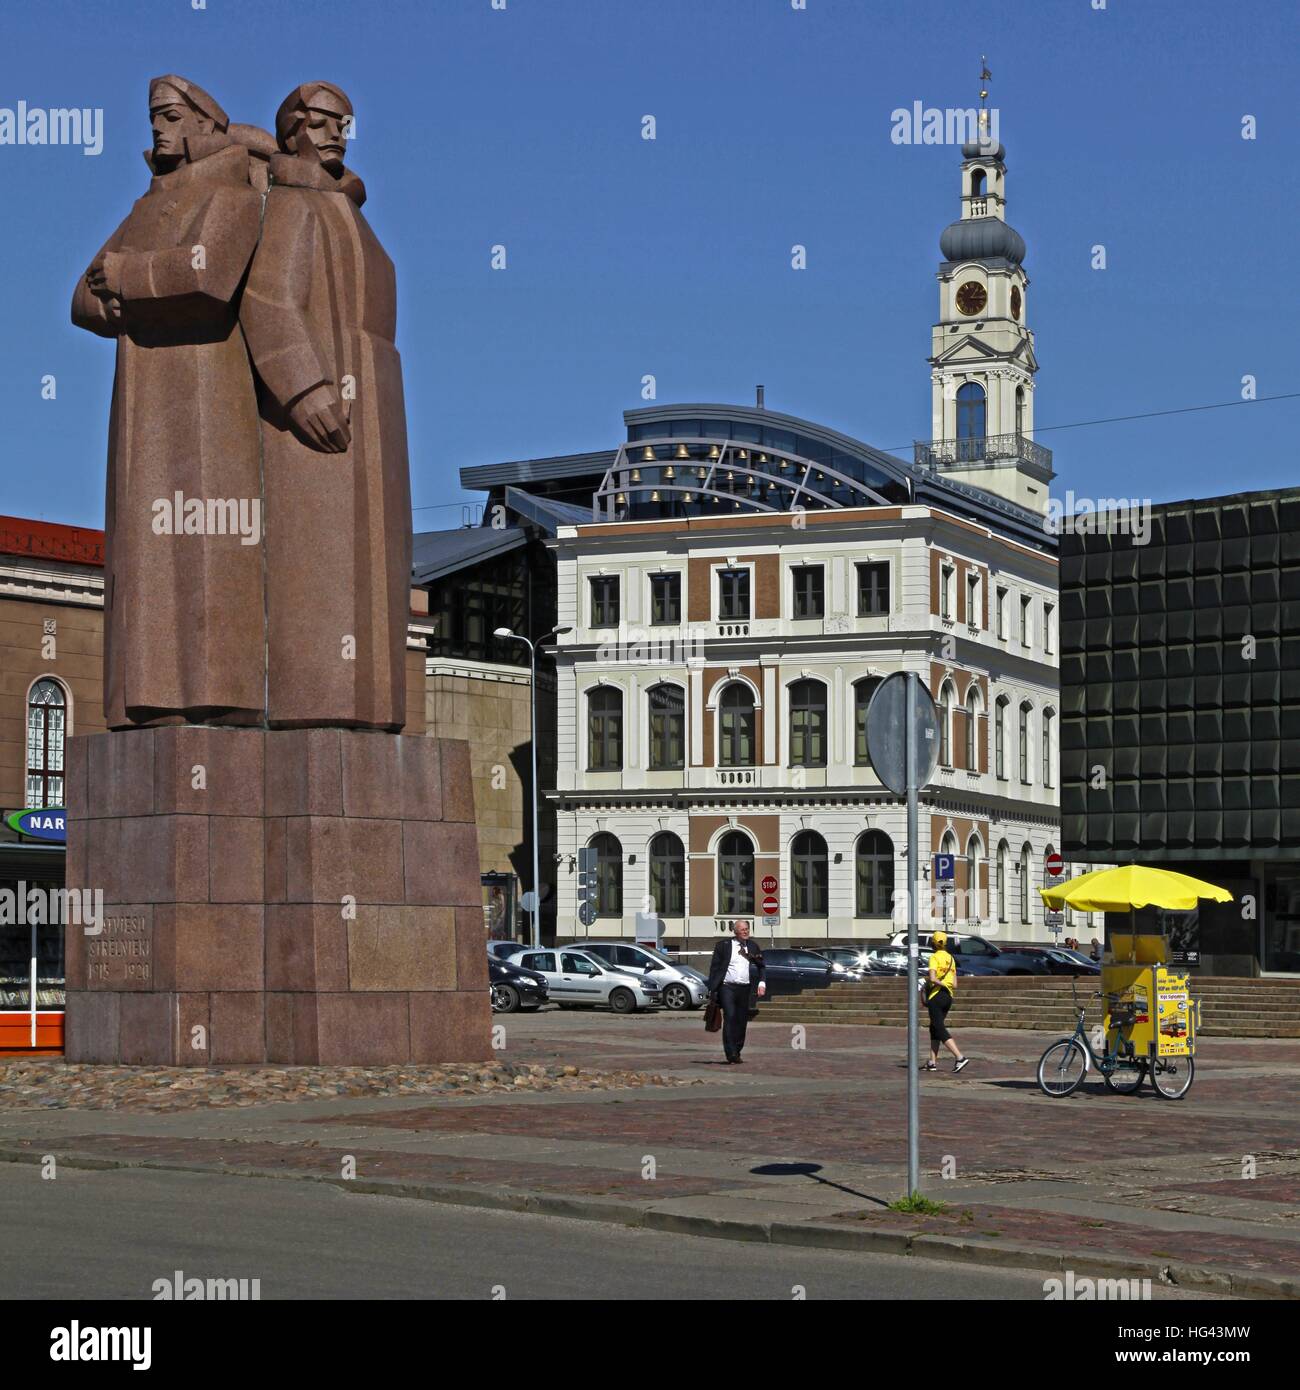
(682, 986)
(577, 980)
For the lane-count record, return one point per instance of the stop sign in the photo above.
(770, 907)
(768, 884)
(1055, 865)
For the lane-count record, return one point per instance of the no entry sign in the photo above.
(1055, 865)
(771, 906)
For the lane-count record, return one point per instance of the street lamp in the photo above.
(506, 634)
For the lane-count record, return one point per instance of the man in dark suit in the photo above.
(736, 981)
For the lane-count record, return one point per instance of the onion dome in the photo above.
(982, 239)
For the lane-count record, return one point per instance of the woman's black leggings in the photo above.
(938, 1005)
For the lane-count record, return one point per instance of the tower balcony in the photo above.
(934, 455)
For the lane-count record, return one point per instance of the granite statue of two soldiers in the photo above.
(255, 315)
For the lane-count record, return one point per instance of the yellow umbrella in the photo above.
(1132, 886)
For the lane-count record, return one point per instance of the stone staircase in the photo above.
(1230, 1007)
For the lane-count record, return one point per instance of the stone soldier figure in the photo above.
(319, 315)
(184, 628)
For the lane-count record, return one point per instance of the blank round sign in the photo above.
(886, 730)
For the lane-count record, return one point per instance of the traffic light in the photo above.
(587, 886)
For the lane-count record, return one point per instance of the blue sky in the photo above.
(626, 257)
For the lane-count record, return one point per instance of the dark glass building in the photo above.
(1180, 711)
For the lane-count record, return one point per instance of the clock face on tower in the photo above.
(1015, 302)
(972, 297)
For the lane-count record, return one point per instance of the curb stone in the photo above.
(1208, 1278)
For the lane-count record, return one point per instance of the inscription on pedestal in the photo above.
(121, 957)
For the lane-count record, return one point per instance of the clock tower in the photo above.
(982, 351)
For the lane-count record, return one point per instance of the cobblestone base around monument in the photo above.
(300, 896)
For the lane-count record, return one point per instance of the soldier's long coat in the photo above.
(320, 306)
(184, 628)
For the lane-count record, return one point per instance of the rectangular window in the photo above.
(1024, 745)
(809, 591)
(1047, 750)
(873, 588)
(945, 592)
(733, 595)
(1000, 739)
(1025, 602)
(972, 599)
(604, 601)
(1049, 612)
(1002, 615)
(665, 599)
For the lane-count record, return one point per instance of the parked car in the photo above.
(1061, 960)
(576, 980)
(682, 986)
(850, 963)
(892, 960)
(514, 989)
(788, 972)
(503, 950)
(967, 949)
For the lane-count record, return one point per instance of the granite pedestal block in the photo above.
(298, 896)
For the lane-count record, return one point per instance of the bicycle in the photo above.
(1063, 1066)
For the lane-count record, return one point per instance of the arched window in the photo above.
(47, 719)
(977, 183)
(736, 743)
(862, 693)
(1020, 410)
(875, 874)
(735, 875)
(946, 695)
(1025, 854)
(1026, 709)
(972, 878)
(604, 729)
(1047, 748)
(1000, 737)
(1003, 852)
(972, 729)
(970, 420)
(667, 727)
(609, 876)
(809, 875)
(668, 875)
(808, 724)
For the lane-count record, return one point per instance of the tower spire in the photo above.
(985, 77)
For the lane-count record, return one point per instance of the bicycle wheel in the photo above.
(1061, 1068)
(1172, 1077)
(1125, 1081)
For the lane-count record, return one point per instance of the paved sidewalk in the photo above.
(804, 1144)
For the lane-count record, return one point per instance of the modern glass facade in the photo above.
(1180, 719)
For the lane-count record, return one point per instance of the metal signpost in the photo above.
(587, 886)
(903, 742)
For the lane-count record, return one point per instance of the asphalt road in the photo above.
(110, 1234)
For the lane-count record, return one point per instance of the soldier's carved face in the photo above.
(322, 131)
(175, 121)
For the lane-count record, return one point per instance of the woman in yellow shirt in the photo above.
(940, 987)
